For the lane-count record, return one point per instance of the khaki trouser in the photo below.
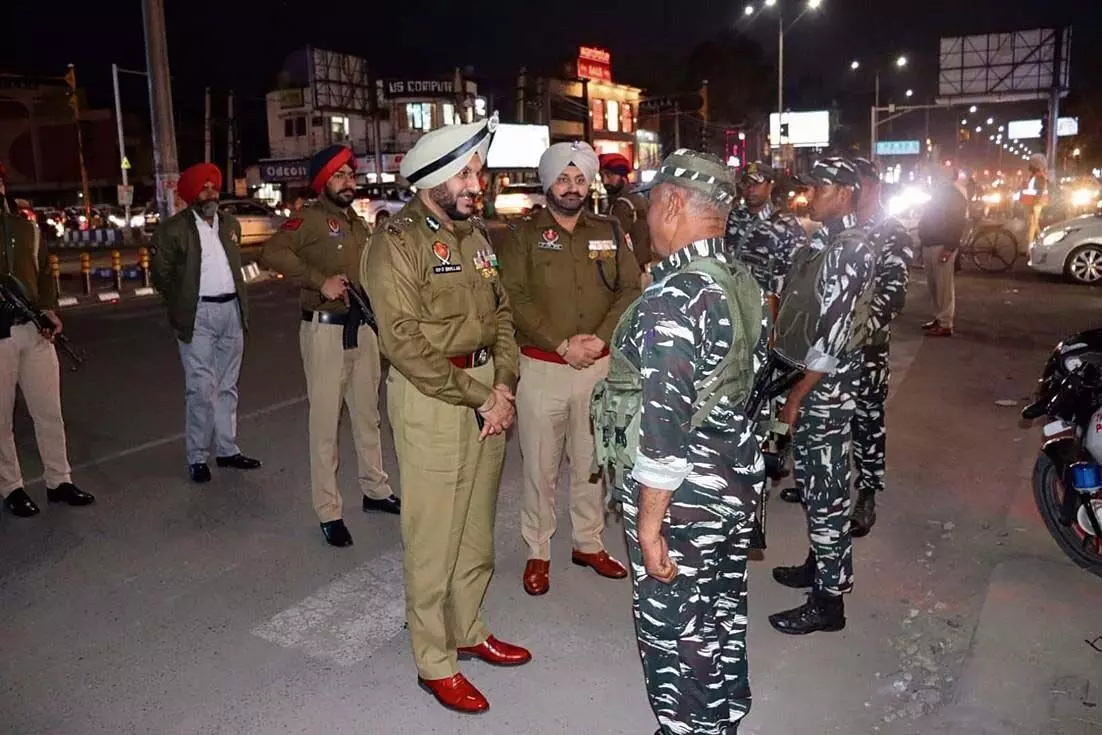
(334, 376)
(449, 499)
(30, 362)
(1033, 226)
(553, 415)
(940, 280)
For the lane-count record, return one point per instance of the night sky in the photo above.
(242, 45)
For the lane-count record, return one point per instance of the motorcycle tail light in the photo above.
(1086, 478)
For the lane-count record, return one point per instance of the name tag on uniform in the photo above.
(602, 249)
(447, 268)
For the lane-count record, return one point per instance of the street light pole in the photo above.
(122, 143)
(780, 86)
(166, 167)
(872, 117)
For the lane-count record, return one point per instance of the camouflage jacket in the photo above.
(894, 250)
(764, 242)
(680, 332)
(846, 275)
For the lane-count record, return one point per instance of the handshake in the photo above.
(581, 350)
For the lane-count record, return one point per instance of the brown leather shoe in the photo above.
(940, 331)
(601, 563)
(498, 653)
(456, 693)
(537, 577)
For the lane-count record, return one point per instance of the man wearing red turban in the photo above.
(196, 266)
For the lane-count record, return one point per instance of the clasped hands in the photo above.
(497, 412)
(581, 350)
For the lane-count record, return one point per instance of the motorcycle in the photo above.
(1067, 477)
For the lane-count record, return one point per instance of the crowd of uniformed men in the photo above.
(628, 343)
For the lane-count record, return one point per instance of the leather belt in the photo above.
(544, 356)
(222, 298)
(478, 358)
(325, 317)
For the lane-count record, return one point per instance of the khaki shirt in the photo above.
(314, 244)
(30, 259)
(436, 294)
(557, 288)
(631, 211)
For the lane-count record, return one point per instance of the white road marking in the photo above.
(173, 438)
(348, 620)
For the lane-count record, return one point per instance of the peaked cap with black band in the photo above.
(326, 162)
(442, 153)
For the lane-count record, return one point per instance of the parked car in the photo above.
(519, 199)
(376, 203)
(258, 221)
(1071, 248)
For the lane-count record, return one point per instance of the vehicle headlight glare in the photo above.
(1054, 237)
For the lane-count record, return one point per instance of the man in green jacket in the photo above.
(196, 265)
(28, 362)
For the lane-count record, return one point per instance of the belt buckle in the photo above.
(480, 357)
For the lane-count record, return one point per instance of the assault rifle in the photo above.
(17, 306)
(359, 312)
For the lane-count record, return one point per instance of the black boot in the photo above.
(799, 577)
(820, 612)
(792, 495)
(863, 516)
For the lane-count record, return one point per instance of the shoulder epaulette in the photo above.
(398, 225)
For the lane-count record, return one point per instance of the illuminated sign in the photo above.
(595, 64)
(518, 146)
(417, 88)
(898, 147)
(805, 129)
(284, 171)
(1030, 129)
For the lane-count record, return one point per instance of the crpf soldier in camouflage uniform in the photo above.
(893, 249)
(760, 236)
(691, 486)
(821, 323)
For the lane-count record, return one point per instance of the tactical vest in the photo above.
(800, 304)
(617, 400)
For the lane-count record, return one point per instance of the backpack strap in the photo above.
(735, 280)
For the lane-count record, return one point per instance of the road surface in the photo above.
(218, 609)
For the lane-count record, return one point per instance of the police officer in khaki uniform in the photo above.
(570, 275)
(446, 326)
(630, 208)
(28, 361)
(319, 248)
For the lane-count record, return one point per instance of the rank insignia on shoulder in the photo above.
(292, 224)
(397, 225)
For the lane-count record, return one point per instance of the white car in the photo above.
(376, 204)
(1072, 248)
(258, 221)
(519, 199)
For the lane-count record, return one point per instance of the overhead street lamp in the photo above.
(855, 65)
(910, 93)
(748, 11)
(972, 109)
(899, 62)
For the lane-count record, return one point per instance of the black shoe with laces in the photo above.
(69, 494)
(820, 613)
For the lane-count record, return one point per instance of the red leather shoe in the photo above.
(498, 653)
(537, 577)
(456, 693)
(940, 331)
(601, 563)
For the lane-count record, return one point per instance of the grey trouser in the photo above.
(941, 284)
(212, 362)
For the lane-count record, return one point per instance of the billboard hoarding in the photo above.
(341, 82)
(518, 146)
(1031, 129)
(805, 129)
(1004, 67)
(595, 64)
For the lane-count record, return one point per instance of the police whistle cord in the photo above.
(18, 306)
(359, 313)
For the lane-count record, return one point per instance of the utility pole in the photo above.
(779, 157)
(122, 143)
(166, 167)
(71, 79)
(1054, 105)
(206, 125)
(676, 125)
(230, 142)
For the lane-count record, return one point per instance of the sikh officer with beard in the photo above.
(446, 326)
(319, 248)
(569, 275)
(630, 208)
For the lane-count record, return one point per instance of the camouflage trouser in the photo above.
(821, 455)
(692, 632)
(870, 438)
